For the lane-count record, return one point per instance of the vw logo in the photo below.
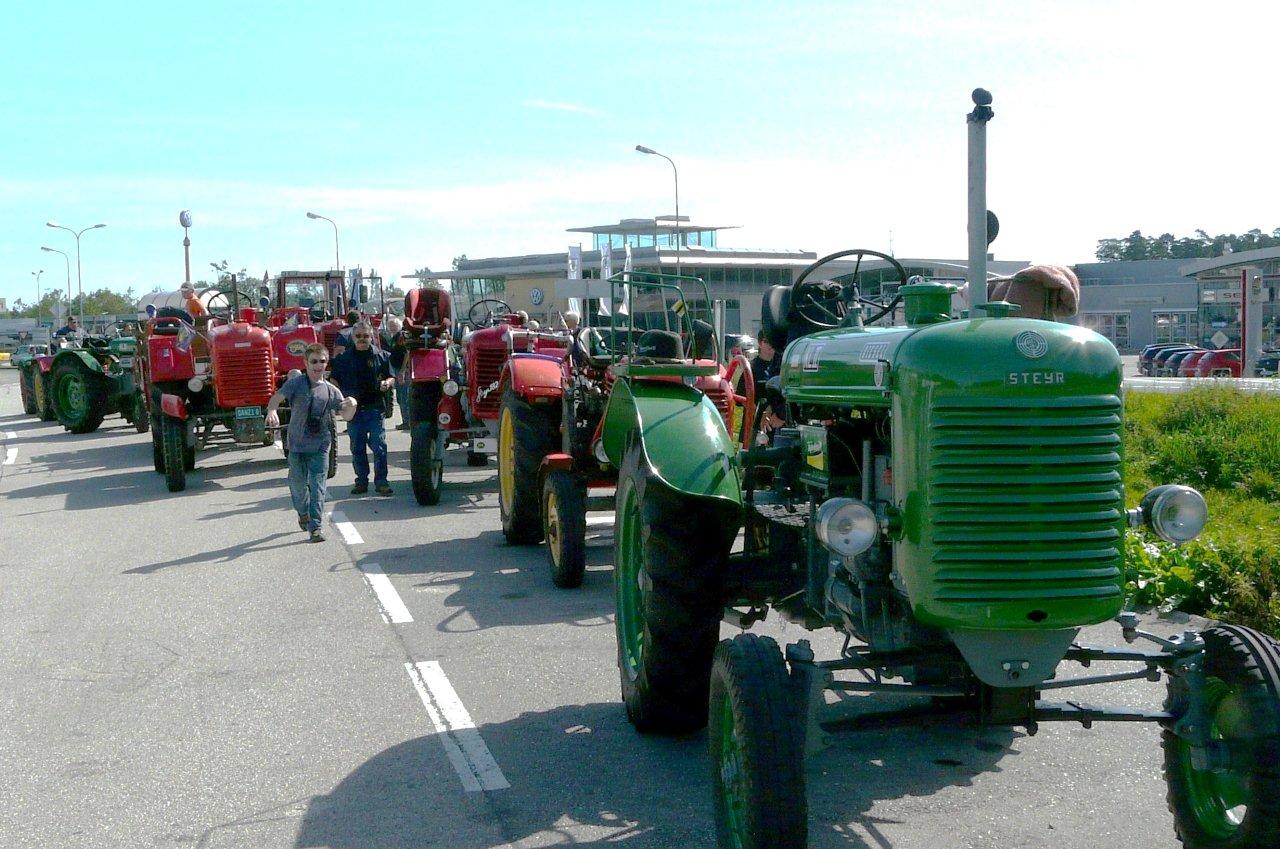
(1031, 344)
(536, 295)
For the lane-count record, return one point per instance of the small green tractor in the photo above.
(91, 379)
(947, 495)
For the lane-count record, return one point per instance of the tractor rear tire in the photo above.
(564, 525)
(669, 553)
(141, 418)
(42, 392)
(1237, 807)
(477, 461)
(79, 396)
(525, 436)
(757, 748)
(174, 437)
(27, 391)
(425, 463)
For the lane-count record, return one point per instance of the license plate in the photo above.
(248, 412)
(126, 362)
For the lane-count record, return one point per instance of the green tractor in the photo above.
(93, 379)
(948, 496)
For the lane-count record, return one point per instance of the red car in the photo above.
(1187, 367)
(1222, 363)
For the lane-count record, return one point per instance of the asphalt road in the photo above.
(185, 670)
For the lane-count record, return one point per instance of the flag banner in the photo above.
(574, 272)
(624, 304)
(292, 322)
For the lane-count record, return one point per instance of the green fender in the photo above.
(89, 362)
(683, 436)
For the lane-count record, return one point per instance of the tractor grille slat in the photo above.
(489, 363)
(1025, 498)
(243, 378)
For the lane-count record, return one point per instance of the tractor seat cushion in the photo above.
(427, 308)
(775, 306)
(659, 345)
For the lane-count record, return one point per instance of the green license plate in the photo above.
(248, 412)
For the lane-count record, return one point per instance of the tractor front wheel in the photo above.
(174, 436)
(1234, 806)
(669, 553)
(27, 391)
(757, 750)
(79, 396)
(141, 416)
(157, 444)
(564, 525)
(426, 467)
(42, 391)
(525, 436)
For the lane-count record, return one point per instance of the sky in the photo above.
(427, 130)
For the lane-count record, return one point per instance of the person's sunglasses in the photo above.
(316, 362)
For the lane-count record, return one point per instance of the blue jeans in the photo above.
(306, 484)
(402, 398)
(366, 431)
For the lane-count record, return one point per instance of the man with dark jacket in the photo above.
(364, 373)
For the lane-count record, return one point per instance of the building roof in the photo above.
(660, 225)
(1231, 260)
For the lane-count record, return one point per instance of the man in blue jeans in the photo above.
(364, 373)
(312, 401)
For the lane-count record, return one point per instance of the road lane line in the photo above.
(393, 609)
(462, 743)
(8, 434)
(348, 530)
(10, 454)
(598, 521)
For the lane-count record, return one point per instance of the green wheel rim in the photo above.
(1219, 799)
(732, 779)
(627, 578)
(72, 395)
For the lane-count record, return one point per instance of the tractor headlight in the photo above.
(451, 388)
(598, 451)
(195, 384)
(1176, 513)
(846, 526)
(444, 418)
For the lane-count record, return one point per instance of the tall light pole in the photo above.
(79, 279)
(68, 259)
(36, 275)
(676, 175)
(337, 264)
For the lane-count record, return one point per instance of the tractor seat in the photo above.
(659, 346)
(427, 311)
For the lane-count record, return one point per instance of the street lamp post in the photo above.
(68, 259)
(79, 279)
(337, 263)
(36, 275)
(184, 218)
(676, 175)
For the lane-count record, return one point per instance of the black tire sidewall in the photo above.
(571, 510)
(173, 436)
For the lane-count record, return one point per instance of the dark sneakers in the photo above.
(303, 522)
(360, 489)
(317, 536)
(384, 489)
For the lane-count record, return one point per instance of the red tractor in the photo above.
(452, 388)
(208, 383)
(555, 412)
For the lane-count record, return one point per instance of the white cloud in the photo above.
(563, 107)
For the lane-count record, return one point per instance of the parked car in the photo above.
(1160, 363)
(1187, 366)
(1268, 364)
(1148, 354)
(1221, 363)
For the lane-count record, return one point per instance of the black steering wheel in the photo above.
(491, 314)
(592, 349)
(318, 312)
(825, 304)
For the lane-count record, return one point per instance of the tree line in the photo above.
(1136, 246)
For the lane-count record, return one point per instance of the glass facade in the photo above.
(1113, 325)
(700, 238)
(1174, 326)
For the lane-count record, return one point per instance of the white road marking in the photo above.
(348, 530)
(10, 454)
(597, 521)
(462, 743)
(8, 434)
(278, 446)
(393, 609)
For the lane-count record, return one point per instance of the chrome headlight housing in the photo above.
(846, 526)
(451, 388)
(444, 418)
(1176, 513)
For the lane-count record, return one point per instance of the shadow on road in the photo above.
(221, 555)
(581, 775)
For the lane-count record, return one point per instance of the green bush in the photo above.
(1227, 445)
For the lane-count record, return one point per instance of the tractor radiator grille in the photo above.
(330, 338)
(716, 395)
(489, 363)
(243, 377)
(1026, 501)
